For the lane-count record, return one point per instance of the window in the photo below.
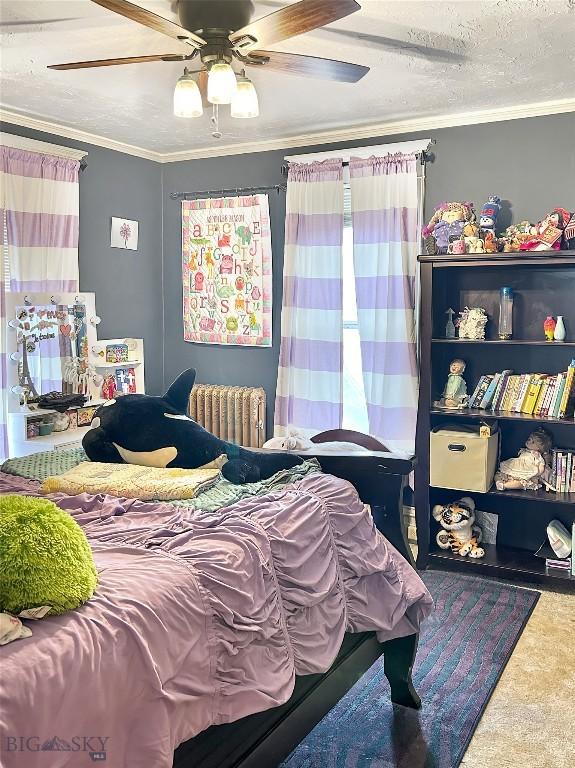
(354, 405)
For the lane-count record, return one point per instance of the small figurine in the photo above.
(490, 242)
(474, 244)
(489, 214)
(472, 323)
(549, 327)
(530, 469)
(458, 530)
(450, 221)
(450, 326)
(455, 392)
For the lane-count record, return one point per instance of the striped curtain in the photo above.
(309, 388)
(40, 219)
(384, 199)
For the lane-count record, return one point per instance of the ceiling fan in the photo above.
(221, 31)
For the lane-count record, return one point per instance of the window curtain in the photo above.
(384, 199)
(309, 388)
(40, 217)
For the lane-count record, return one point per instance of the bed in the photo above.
(227, 631)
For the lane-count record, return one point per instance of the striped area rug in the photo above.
(464, 646)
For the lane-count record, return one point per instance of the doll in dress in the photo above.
(455, 392)
(530, 469)
(451, 221)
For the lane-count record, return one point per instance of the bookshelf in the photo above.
(543, 284)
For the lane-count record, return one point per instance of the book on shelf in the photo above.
(479, 391)
(489, 392)
(505, 374)
(563, 469)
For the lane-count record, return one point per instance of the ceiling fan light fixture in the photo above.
(187, 97)
(222, 83)
(245, 101)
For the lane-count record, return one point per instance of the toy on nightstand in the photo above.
(459, 532)
(455, 392)
(450, 221)
(530, 469)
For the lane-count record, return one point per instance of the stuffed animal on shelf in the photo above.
(489, 214)
(450, 221)
(531, 468)
(514, 236)
(459, 532)
(155, 432)
(548, 233)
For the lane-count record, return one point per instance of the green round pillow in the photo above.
(45, 557)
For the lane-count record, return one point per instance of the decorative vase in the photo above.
(549, 327)
(559, 332)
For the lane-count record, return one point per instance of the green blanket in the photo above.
(39, 466)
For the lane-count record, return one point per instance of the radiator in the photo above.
(235, 414)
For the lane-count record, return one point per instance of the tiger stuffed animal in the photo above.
(459, 532)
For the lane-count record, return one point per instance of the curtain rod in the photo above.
(423, 155)
(226, 192)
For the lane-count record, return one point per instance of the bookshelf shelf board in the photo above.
(501, 559)
(540, 496)
(496, 342)
(545, 258)
(479, 413)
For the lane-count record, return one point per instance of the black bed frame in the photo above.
(264, 739)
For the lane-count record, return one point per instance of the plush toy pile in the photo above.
(453, 229)
(156, 432)
(46, 558)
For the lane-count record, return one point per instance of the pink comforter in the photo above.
(197, 619)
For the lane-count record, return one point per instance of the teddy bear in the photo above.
(458, 530)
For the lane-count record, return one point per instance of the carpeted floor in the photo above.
(529, 718)
(463, 649)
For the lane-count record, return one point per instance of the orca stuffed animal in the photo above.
(156, 432)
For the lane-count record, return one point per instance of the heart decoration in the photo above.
(65, 330)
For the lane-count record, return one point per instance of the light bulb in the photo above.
(187, 97)
(221, 83)
(245, 101)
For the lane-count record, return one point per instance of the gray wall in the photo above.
(529, 163)
(127, 284)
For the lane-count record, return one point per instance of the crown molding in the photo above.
(373, 130)
(57, 129)
(538, 109)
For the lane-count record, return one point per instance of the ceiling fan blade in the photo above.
(151, 20)
(310, 66)
(114, 62)
(290, 21)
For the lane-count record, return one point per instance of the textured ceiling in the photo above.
(431, 57)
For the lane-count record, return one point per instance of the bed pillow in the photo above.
(46, 558)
